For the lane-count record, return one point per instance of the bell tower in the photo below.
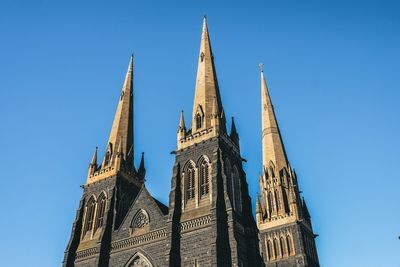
(210, 215)
(286, 233)
(109, 190)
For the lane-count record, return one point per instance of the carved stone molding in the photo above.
(195, 222)
(133, 241)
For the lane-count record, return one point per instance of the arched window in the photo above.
(276, 249)
(278, 200)
(107, 158)
(270, 203)
(289, 245)
(269, 249)
(101, 207)
(282, 243)
(190, 182)
(90, 208)
(139, 260)
(198, 121)
(204, 179)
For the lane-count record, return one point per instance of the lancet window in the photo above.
(269, 249)
(107, 158)
(198, 121)
(289, 245)
(282, 243)
(190, 182)
(101, 207)
(276, 249)
(204, 178)
(90, 210)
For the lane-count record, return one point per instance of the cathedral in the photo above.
(209, 218)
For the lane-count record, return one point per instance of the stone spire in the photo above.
(94, 158)
(181, 128)
(273, 149)
(142, 169)
(234, 134)
(182, 122)
(93, 163)
(121, 136)
(207, 100)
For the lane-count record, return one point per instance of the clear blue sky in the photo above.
(333, 69)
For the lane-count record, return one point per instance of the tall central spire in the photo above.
(207, 100)
(121, 136)
(273, 149)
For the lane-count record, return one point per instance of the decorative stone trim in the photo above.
(195, 222)
(133, 241)
(86, 253)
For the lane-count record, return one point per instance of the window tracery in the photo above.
(190, 182)
(138, 260)
(90, 210)
(140, 220)
(204, 179)
(101, 207)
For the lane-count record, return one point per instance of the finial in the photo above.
(142, 169)
(261, 65)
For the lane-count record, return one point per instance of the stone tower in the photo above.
(109, 189)
(209, 196)
(286, 234)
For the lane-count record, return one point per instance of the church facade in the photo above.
(209, 219)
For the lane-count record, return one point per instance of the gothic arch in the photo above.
(139, 260)
(188, 164)
(201, 159)
(199, 117)
(203, 165)
(100, 212)
(189, 180)
(90, 209)
(140, 220)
